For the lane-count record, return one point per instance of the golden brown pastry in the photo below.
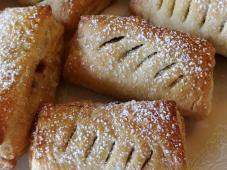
(29, 2)
(30, 46)
(133, 135)
(206, 18)
(68, 12)
(127, 58)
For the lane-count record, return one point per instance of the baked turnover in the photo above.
(68, 12)
(206, 18)
(132, 135)
(127, 58)
(30, 45)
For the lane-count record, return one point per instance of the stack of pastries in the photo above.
(158, 74)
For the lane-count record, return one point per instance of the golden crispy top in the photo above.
(205, 18)
(15, 39)
(141, 61)
(132, 134)
(21, 31)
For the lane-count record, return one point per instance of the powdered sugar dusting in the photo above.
(145, 62)
(137, 127)
(204, 18)
(15, 41)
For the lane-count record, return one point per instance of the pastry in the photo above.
(127, 58)
(30, 46)
(132, 135)
(29, 2)
(205, 18)
(68, 12)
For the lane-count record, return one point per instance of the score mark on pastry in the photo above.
(108, 139)
(130, 154)
(89, 149)
(142, 62)
(113, 40)
(110, 152)
(146, 59)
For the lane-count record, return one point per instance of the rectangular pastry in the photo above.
(206, 18)
(30, 46)
(127, 58)
(68, 12)
(133, 135)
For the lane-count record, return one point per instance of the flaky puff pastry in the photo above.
(205, 18)
(127, 58)
(133, 135)
(68, 12)
(30, 46)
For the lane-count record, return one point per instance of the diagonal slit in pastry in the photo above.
(113, 40)
(130, 155)
(155, 51)
(201, 18)
(89, 149)
(166, 68)
(160, 3)
(146, 59)
(224, 23)
(147, 160)
(186, 13)
(124, 141)
(204, 17)
(69, 139)
(177, 80)
(172, 8)
(133, 49)
(110, 152)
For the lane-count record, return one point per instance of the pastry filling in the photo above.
(40, 67)
(39, 73)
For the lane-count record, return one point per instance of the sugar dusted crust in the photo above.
(69, 12)
(132, 135)
(30, 47)
(128, 58)
(205, 18)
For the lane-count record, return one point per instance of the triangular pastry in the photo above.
(30, 47)
(206, 18)
(127, 58)
(133, 135)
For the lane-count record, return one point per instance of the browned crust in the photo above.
(212, 29)
(77, 72)
(28, 2)
(68, 12)
(54, 117)
(18, 105)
